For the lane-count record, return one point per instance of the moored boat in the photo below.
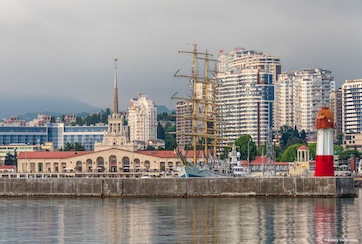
(237, 169)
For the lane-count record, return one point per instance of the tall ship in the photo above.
(198, 123)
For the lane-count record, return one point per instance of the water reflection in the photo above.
(208, 220)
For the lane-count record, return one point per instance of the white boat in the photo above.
(237, 169)
(342, 170)
(359, 167)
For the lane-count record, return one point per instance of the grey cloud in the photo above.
(66, 48)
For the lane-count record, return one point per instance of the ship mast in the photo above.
(194, 105)
(203, 103)
(206, 114)
(214, 112)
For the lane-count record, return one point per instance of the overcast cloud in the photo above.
(66, 48)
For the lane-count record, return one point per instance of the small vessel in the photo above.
(237, 169)
(190, 171)
(342, 170)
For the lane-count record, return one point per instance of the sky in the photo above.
(66, 48)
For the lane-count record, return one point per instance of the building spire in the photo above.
(115, 91)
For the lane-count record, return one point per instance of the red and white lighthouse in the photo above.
(324, 154)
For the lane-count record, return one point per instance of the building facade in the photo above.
(246, 93)
(183, 124)
(247, 104)
(283, 101)
(336, 108)
(15, 149)
(142, 119)
(241, 58)
(312, 88)
(308, 90)
(56, 133)
(352, 106)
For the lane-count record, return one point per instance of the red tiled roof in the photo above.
(303, 147)
(262, 160)
(51, 155)
(159, 153)
(7, 167)
(169, 153)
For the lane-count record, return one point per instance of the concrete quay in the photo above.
(179, 187)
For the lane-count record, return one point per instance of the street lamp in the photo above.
(249, 155)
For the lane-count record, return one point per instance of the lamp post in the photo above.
(249, 155)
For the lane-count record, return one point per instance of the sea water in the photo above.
(181, 220)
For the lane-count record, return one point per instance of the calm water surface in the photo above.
(171, 220)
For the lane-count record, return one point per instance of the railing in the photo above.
(87, 175)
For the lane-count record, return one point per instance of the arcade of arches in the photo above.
(111, 160)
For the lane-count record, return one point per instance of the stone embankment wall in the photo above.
(177, 187)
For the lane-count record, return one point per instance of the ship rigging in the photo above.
(204, 130)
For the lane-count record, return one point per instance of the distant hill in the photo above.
(31, 116)
(28, 106)
(163, 109)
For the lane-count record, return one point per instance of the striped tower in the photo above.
(324, 154)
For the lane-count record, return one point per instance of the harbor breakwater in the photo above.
(180, 187)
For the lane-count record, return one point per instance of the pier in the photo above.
(178, 187)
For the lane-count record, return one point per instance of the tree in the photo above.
(303, 137)
(160, 131)
(170, 137)
(278, 152)
(290, 136)
(167, 117)
(68, 146)
(290, 154)
(11, 159)
(261, 150)
(170, 142)
(104, 116)
(92, 119)
(339, 139)
(77, 146)
(312, 150)
(242, 146)
(78, 121)
(337, 149)
(344, 155)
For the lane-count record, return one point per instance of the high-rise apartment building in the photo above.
(246, 92)
(142, 119)
(247, 104)
(183, 124)
(312, 88)
(241, 58)
(283, 100)
(336, 108)
(352, 106)
(299, 95)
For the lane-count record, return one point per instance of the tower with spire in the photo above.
(115, 91)
(117, 134)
